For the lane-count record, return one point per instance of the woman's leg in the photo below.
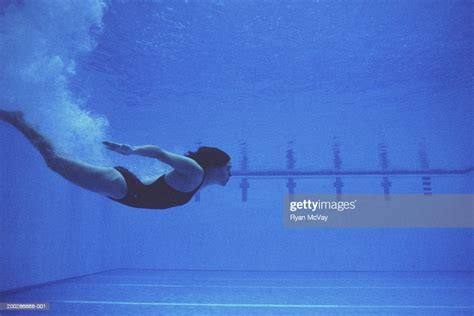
(107, 181)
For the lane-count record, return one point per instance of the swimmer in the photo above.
(191, 172)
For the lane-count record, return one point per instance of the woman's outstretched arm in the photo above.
(180, 163)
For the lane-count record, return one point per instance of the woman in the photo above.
(190, 173)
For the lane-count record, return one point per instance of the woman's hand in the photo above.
(119, 148)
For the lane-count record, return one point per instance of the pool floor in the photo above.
(172, 292)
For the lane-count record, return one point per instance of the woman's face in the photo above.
(226, 172)
(222, 174)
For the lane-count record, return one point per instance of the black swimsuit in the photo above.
(158, 195)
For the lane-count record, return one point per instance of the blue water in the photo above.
(354, 86)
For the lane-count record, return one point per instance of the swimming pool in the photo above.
(307, 97)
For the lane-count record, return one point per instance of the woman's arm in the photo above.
(180, 163)
(150, 151)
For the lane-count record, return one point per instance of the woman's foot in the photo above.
(11, 116)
